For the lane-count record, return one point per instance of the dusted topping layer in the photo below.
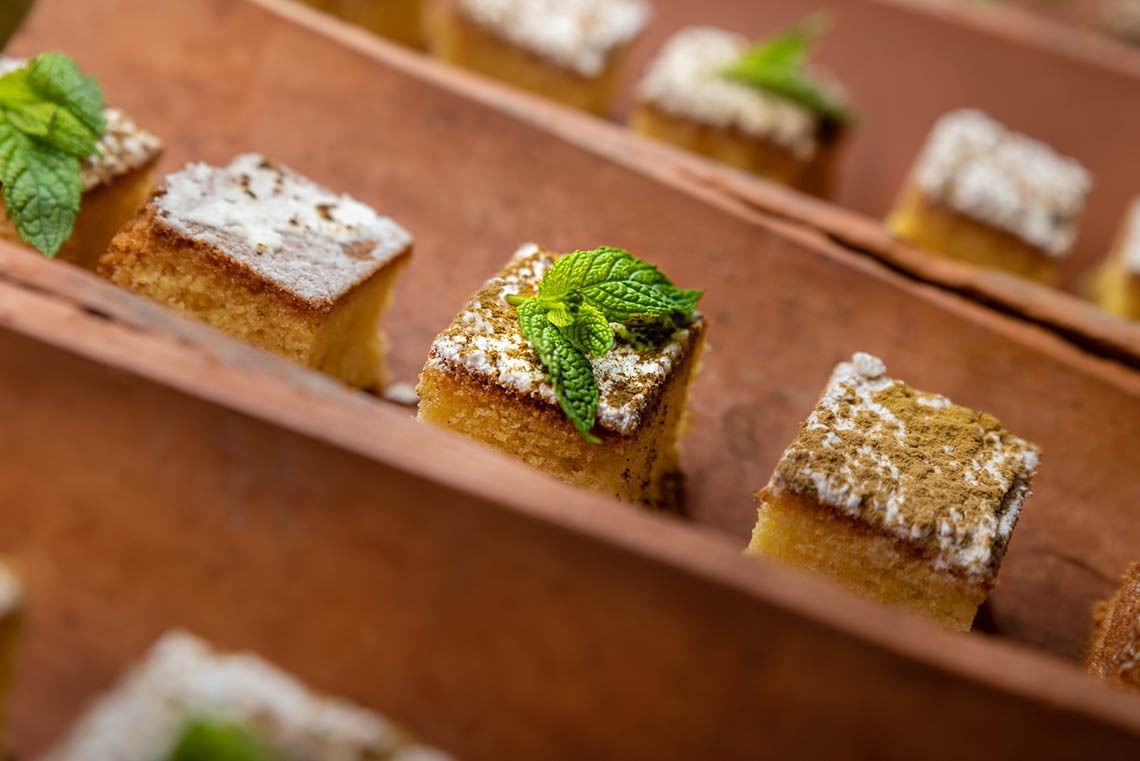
(287, 229)
(975, 166)
(485, 340)
(684, 81)
(945, 479)
(577, 34)
(123, 147)
(182, 680)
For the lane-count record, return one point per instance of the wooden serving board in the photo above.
(155, 473)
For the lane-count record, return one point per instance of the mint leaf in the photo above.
(51, 116)
(567, 368)
(216, 741)
(777, 65)
(586, 298)
(41, 189)
(590, 333)
(57, 79)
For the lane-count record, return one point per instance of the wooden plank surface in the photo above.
(472, 182)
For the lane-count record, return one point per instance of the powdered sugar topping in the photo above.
(287, 229)
(684, 81)
(975, 166)
(577, 34)
(943, 478)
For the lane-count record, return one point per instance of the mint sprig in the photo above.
(51, 116)
(778, 65)
(585, 302)
(210, 740)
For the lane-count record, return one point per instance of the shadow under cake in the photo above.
(569, 50)
(182, 681)
(484, 380)
(682, 100)
(900, 495)
(261, 252)
(986, 195)
(116, 182)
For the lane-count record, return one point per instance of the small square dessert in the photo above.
(184, 697)
(271, 257)
(986, 195)
(485, 380)
(116, 182)
(399, 20)
(686, 100)
(1114, 654)
(11, 610)
(1115, 285)
(900, 495)
(568, 50)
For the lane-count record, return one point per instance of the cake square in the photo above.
(11, 614)
(1114, 654)
(1115, 284)
(402, 21)
(483, 379)
(685, 100)
(986, 195)
(183, 686)
(271, 257)
(116, 182)
(899, 494)
(568, 50)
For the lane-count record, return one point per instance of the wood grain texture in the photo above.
(205, 484)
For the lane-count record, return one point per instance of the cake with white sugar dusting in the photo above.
(987, 195)
(1115, 285)
(901, 494)
(269, 256)
(686, 99)
(184, 689)
(569, 50)
(116, 180)
(484, 379)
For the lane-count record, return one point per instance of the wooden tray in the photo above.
(158, 474)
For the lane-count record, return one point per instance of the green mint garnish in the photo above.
(51, 116)
(585, 301)
(206, 740)
(778, 66)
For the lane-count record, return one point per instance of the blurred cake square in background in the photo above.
(753, 107)
(986, 195)
(569, 50)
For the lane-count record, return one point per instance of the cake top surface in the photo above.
(577, 34)
(123, 147)
(941, 477)
(977, 167)
(182, 680)
(1130, 240)
(11, 591)
(684, 81)
(485, 339)
(1115, 651)
(288, 230)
